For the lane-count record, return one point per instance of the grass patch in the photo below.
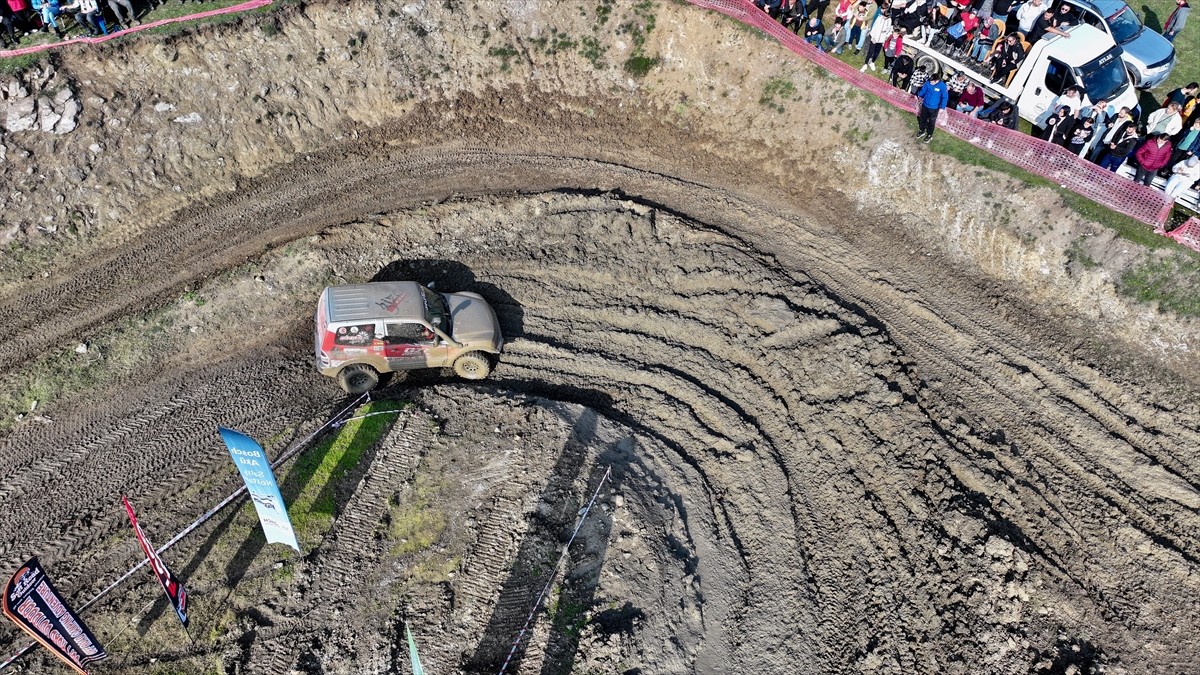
(591, 49)
(15, 64)
(321, 469)
(781, 87)
(569, 616)
(1077, 254)
(415, 523)
(640, 65)
(1169, 281)
(506, 54)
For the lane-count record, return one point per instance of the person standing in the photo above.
(1177, 19)
(880, 30)
(1099, 114)
(1119, 149)
(1152, 156)
(1115, 133)
(1028, 14)
(1166, 120)
(932, 97)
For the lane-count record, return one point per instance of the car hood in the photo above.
(1148, 48)
(472, 319)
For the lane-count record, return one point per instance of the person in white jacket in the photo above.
(1165, 120)
(87, 13)
(1183, 175)
(1028, 14)
(880, 30)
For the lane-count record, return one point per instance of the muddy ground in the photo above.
(850, 423)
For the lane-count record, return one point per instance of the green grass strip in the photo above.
(321, 470)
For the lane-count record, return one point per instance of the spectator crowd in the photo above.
(22, 18)
(993, 38)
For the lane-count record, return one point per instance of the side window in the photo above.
(407, 333)
(360, 335)
(1093, 19)
(1058, 77)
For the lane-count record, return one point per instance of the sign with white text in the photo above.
(252, 463)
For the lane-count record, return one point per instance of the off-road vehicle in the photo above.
(363, 330)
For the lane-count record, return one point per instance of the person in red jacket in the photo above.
(1152, 156)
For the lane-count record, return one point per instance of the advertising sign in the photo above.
(173, 588)
(32, 602)
(252, 463)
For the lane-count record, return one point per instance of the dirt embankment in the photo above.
(841, 438)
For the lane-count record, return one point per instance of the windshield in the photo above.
(1104, 77)
(1125, 24)
(436, 311)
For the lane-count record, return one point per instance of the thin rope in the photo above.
(283, 457)
(554, 572)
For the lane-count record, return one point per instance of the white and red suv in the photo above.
(363, 330)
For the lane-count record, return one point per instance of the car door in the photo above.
(1057, 78)
(409, 345)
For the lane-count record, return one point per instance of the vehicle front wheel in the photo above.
(472, 366)
(358, 379)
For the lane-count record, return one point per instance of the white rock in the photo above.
(47, 118)
(70, 118)
(190, 118)
(163, 106)
(81, 348)
(998, 548)
(22, 115)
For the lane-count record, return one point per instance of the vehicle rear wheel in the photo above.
(358, 379)
(472, 366)
(930, 64)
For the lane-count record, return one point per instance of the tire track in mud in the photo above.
(880, 472)
(158, 445)
(348, 553)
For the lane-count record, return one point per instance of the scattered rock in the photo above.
(998, 548)
(190, 118)
(69, 120)
(21, 115)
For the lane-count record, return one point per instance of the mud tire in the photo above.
(358, 379)
(931, 64)
(472, 366)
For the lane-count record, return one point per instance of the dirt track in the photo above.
(831, 452)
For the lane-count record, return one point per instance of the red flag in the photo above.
(174, 589)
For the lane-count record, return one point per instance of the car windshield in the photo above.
(1104, 77)
(437, 313)
(1125, 24)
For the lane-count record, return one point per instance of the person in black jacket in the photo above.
(902, 69)
(1059, 126)
(1002, 112)
(1006, 58)
(6, 18)
(1119, 149)
(794, 16)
